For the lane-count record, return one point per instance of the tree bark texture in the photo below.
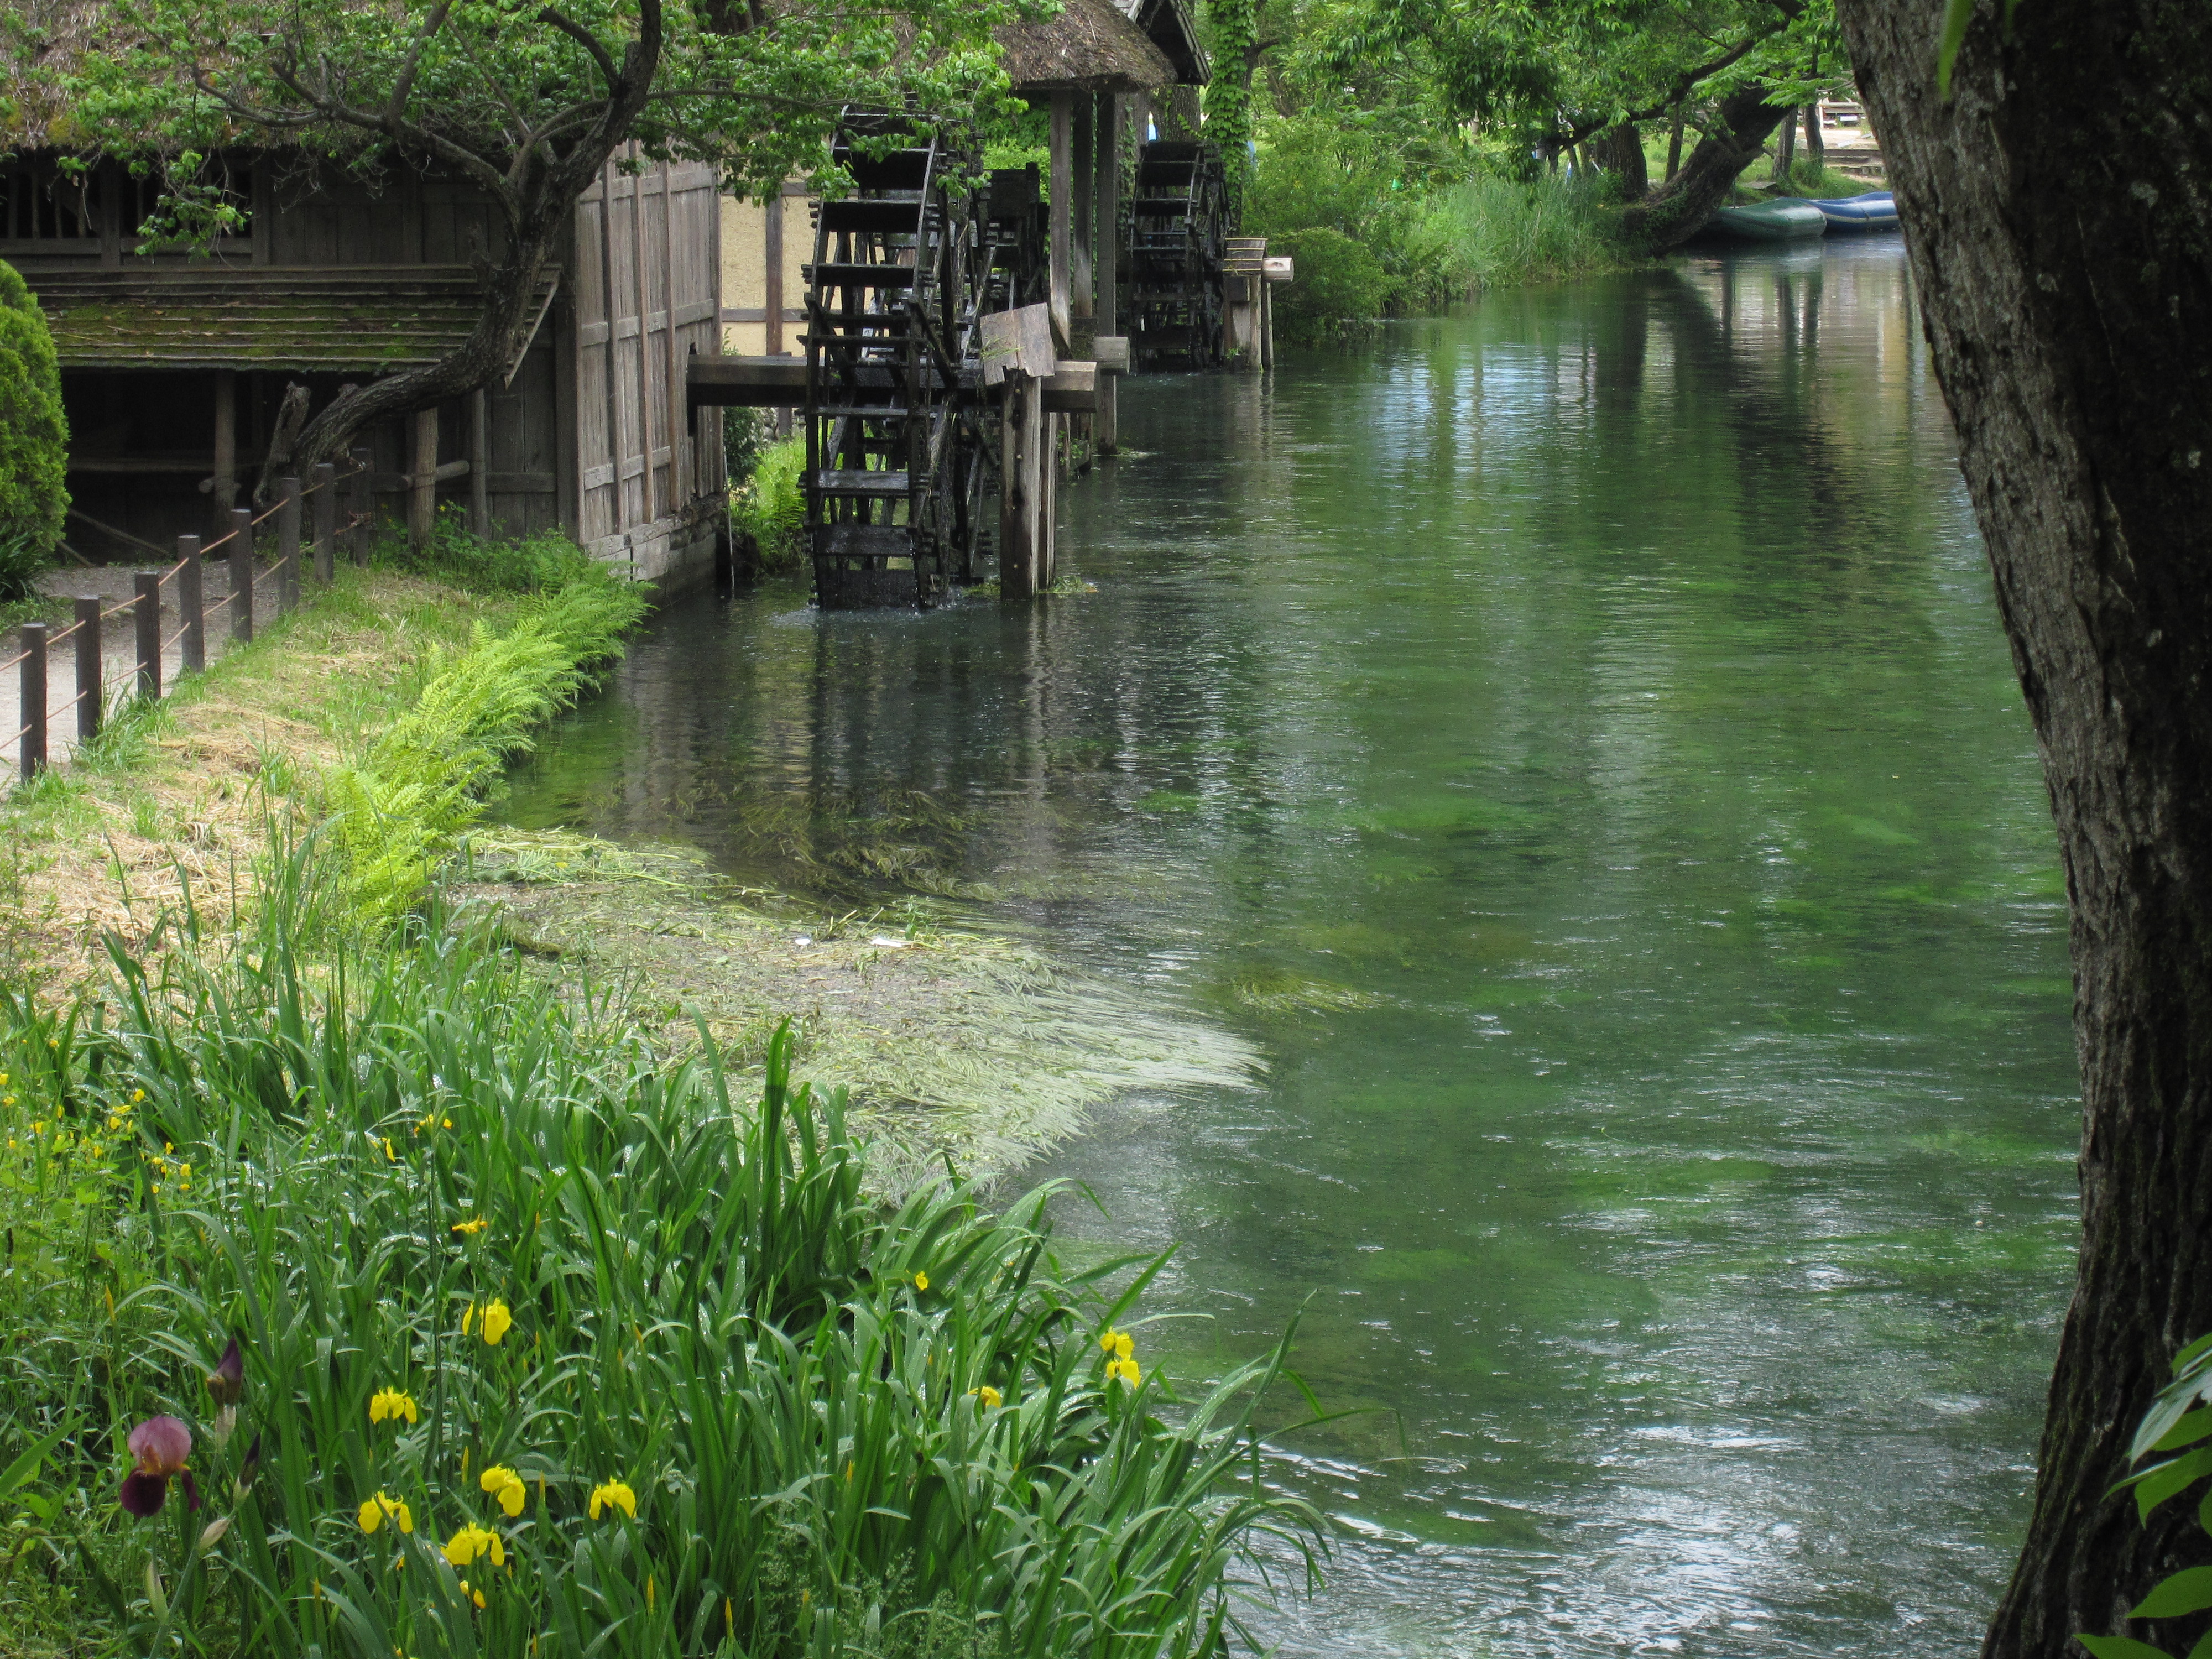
(2058, 215)
(1620, 150)
(1679, 209)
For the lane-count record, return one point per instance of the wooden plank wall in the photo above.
(332, 222)
(647, 295)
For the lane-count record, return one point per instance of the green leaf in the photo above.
(2163, 1480)
(2189, 1428)
(2188, 1590)
(2181, 1361)
(1956, 15)
(2203, 1648)
(2121, 1647)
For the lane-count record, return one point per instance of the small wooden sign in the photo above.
(1279, 269)
(1016, 341)
(1111, 353)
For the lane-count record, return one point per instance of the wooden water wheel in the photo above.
(891, 303)
(1177, 239)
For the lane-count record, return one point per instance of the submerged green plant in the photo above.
(550, 1349)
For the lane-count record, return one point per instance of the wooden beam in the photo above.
(772, 272)
(1106, 264)
(423, 496)
(673, 387)
(226, 446)
(586, 467)
(479, 463)
(1082, 268)
(647, 512)
(1063, 206)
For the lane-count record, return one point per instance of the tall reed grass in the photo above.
(550, 1348)
(1495, 232)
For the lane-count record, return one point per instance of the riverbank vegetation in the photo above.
(277, 1004)
(1410, 156)
(433, 1312)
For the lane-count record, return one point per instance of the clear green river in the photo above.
(1571, 742)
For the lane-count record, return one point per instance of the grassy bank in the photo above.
(547, 1345)
(396, 1179)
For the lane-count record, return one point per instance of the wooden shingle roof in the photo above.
(365, 319)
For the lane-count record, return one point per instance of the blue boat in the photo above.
(1875, 211)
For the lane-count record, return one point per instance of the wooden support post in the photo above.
(363, 532)
(422, 481)
(225, 488)
(1106, 261)
(772, 271)
(1063, 206)
(288, 545)
(479, 463)
(1047, 502)
(32, 704)
(1082, 170)
(146, 614)
(326, 522)
(91, 695)
(1021, 441)
(241, 577)
(1267, 322)
(191, 607)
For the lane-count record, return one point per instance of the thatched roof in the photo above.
(1092, 46)
(1168, 25)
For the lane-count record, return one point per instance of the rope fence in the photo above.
(189, 639)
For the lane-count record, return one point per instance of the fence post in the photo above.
(288, 545)
(364, 506)
(241, 576)
(91, 696)
(33, 704)
(192, 606)
(326, 522)
(146, 612)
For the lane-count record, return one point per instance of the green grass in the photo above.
(848, 1430)
(1496, 232)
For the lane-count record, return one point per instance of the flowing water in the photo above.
(1572, 741)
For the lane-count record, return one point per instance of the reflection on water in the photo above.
(1573, 742)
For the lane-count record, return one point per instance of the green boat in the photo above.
(1771, 221)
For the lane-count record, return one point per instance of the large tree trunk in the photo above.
(2060, 228)
(1619, 150)
(1679, 209)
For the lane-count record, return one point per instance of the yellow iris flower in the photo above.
(373, 1514)
(497, 1322)
(1120, 1344)
(471, 1227)
(1124, 1370)
(613, 1495)
(505, 1485)
(390, 1403)
(922, 1281)
(989, 1395)
(471, 1541)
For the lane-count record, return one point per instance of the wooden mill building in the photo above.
(174, 366)
(1098, 67)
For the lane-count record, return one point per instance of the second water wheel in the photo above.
(890, 299)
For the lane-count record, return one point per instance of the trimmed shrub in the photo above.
(1339, 282)
(34, 439)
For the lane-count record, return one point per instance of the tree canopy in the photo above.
(527, 100)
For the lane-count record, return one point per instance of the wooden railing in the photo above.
(144, 606)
